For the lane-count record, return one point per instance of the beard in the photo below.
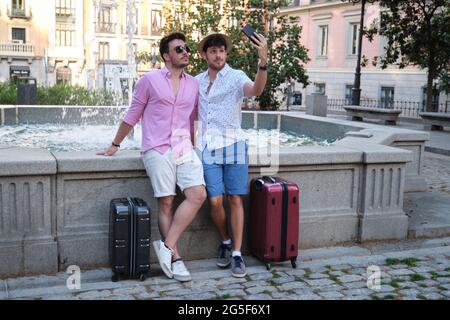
(216, 66)
(180, 65)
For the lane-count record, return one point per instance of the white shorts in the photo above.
(165, 173)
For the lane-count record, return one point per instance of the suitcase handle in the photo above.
(258, 184)
(271, 179)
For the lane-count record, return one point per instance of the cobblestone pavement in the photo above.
(436, 170)
(414, 270)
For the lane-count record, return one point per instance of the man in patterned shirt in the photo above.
(221, 143)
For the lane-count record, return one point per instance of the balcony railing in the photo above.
(65, 11)
(409, 108)
(20, 13)
(105, 27)
(16, 50)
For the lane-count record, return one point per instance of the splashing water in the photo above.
(66, 137)
(263, 137)
(98, 137)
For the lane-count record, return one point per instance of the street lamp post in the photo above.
(356, 90)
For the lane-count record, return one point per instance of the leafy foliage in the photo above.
(418, 33)
(61, 95)
(286, 55)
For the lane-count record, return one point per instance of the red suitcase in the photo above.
(274, 220)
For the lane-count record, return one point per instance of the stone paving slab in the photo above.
(329, 252)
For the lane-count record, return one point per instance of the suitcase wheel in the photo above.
(294, 263)
(142, 277)
(115, 278)
(268, 266)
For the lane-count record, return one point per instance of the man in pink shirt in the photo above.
(166, 103)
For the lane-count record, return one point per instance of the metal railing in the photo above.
(409, 108)
(65, 11)
(19, 12)
(105, 27)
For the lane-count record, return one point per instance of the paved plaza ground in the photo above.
(411, 270)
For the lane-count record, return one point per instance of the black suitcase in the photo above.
(129, 238)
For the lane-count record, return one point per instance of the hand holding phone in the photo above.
(261, 45)
(249, 32)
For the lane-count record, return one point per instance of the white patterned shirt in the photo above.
(220, 110)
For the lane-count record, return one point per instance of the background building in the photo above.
(86, 42)
(330, 31)
(75, 41)
(23, 38)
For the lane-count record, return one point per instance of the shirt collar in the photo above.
(222, 72)
(166, 72)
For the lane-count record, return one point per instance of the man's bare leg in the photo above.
(185, 214)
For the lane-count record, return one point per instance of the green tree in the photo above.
(287, 55)
(418, 33)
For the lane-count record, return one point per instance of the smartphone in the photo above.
(248, 31)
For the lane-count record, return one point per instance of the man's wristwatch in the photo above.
(263, 66)
(115, 145)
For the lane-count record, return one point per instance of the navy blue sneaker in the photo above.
(224, 259)
(238, 267)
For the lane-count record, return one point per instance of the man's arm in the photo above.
(134, 113)
(256, 88)
(193, 121)
(122, 132)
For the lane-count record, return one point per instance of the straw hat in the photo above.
(202, 43)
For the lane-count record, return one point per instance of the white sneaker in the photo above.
(180, 272)
(164, 255)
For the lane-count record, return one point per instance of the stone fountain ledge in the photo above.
(54, 206)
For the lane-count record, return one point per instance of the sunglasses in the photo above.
(180, 49)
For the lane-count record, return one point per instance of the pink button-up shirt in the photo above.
(167, 120)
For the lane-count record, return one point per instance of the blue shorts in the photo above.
(226, 170)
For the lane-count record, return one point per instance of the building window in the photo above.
(319, 88)
(65, 7)
(105, 22)
(354, 34)
(348, 94)
(63, 75)
(156, 22)
(104, 15)
(387, 97)
(18, 8)
(323, 36)
(18, 35)
(103, 49)
(65, 35)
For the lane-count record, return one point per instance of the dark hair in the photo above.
(164, 43)
(215, 41)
